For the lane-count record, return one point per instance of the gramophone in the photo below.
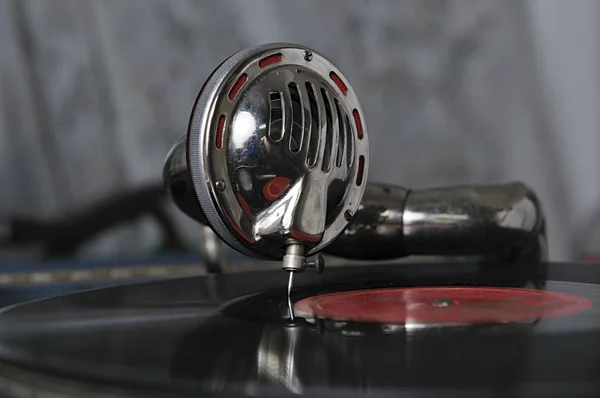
(275, 162)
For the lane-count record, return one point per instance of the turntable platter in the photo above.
(229, 335)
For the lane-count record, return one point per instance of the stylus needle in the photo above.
(290, 283)
(289, 294)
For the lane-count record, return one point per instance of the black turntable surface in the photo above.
(455, 329)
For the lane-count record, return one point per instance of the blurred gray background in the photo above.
(94, 92)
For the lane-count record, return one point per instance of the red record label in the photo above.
(442, 305)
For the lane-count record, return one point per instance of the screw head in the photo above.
(317, 262)
(220, 185)
(308, 55)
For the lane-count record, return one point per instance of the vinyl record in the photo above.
(456, 329)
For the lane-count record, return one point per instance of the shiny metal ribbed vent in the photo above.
(310, 109)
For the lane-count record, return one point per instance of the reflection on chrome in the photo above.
(245, 127)
(279, 216)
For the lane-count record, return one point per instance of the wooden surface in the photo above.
(93, 93)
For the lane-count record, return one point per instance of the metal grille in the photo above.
(311, 113)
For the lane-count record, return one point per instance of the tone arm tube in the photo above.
(497, 221)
